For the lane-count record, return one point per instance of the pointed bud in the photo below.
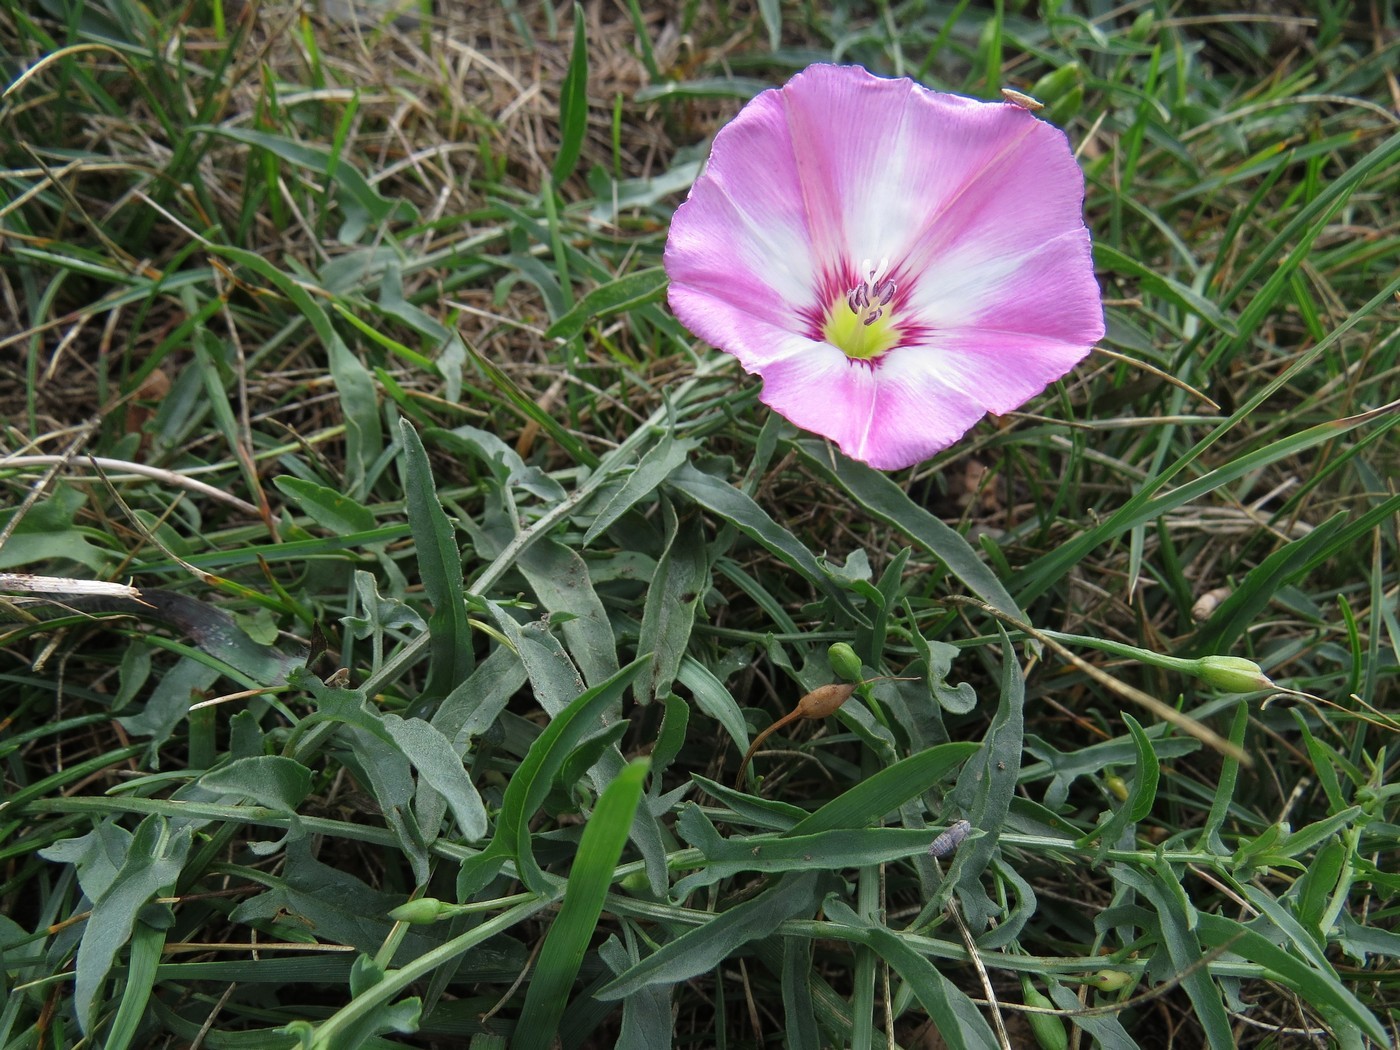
(418, 912)
(1233, 674)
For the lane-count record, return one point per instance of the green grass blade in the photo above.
(569, 936)
(573, 104)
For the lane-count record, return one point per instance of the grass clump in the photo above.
(465, 578)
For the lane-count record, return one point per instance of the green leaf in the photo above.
(47, 533)
(1319, 989)
(440, 564)
(1177, 920)
(1241, 609)
(703, 949)
(617, 296)
(660, 461)
(152, 864)
(527, 789)
(959, 1022)
(985, 789)
(938, 660)
(743, 88)
(569, 936)
(269, 780)
(715, 700)
(437, 763)
(646, 1015)
(358, 400)
(142, 968)
(885, 791)
(887, 502)
(1107, 257)
(668, 618)
(723, 499)
(559, 578)
(573, 104)
(821, 851)
(363, 205)
(1146, 773)
(333, 511)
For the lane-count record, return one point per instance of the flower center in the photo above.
(859, 324)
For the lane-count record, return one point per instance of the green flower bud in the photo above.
(1110, 980)
(1142, 27)
(1066, 107)
(1049, 1031)
(1058, 83)
(844, 661)
(1233, 674)
(418, 912)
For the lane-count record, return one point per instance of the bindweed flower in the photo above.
(894, 262)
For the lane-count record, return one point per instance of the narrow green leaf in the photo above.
(1176, 926)
(985, 789)
(888, 789)
(704, 948)
(1108, 257)
(527, 789)
(1145, 506)
(959, 1022)
(1322, 990)
(1147, 774)
(440, 565)
(358, 401)
(363, 204)
(437, 763)
(714, 700)
(147, 943)
(1105, 1028)
(332, 510)
(1239, 611)
(743, 88)
(822, 851)
(799, 1014)
(668, 618)
(660, 461)
(573, 104)
(887, 502)
(573, 928)
(153, 862)
(617, 296)
(559, 578)
(721, 498)
(646, 1015)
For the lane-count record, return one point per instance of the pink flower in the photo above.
(894, 262)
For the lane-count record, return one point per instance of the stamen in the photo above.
(868, 298)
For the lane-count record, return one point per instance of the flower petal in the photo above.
(742, 233)
(883, 161)
(892, 415)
